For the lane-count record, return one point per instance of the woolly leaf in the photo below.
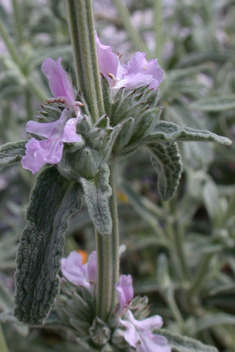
(215, 104)
(184, 344)
(10, 153)
(166, 160)
(97, 192)
(169, 131)
(41, 246)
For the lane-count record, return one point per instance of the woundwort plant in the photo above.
(81, 133)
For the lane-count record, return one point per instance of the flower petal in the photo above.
(58, 81)
(125, 291)
(69, 134)
(92, 267)
(149, 324)
(108, 62)
(49, 128)
(130, 334)
(142, 72)
(39, 153)
(73, 269)
(134, 81)
(152, 343)
(30, 160)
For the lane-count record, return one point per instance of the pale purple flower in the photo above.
(49, 150)
(80, 274)
(136, 73)
(138, 333)
(59, 82)
(125, 291)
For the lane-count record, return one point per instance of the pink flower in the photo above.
(138, 333)
(59, 83)
(125, 291)
(138, 72)
(80, 274)
(49, 150)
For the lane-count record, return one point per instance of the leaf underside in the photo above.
(53, 200)
(166, 160)
(97, 192)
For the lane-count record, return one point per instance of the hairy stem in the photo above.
(10, 45)
(3, 345)
(131, 30)
(80, 16)
(115, 232)
(18, 20)
(199, 277)
(104, 280)
(158, 29)
(174, 308)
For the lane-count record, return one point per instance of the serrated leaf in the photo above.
(180, 343)
(166, 160)
(215, 104)
(53, 200)
(11, 153)
(97, 192)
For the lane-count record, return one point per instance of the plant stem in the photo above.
(115, 232)
(174, 308)
(131, 30)
(3, 345)
(179, 248)
(16, 58)
(104, 280)
(38, 92)
(9, 44)
(18, 20)
(82, 34)
(158, 29)
(175, 235)
(200, 277)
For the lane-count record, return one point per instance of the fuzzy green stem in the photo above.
(82, 34)
(16, 58)
(3, 345)
(38, 92)
(9, 44)
(104, 280)
(179, 247)
(115, 232)
(175, 235)
(158, 29)
(174, 308)
(18, 19)
(131, 30)
(199, 277)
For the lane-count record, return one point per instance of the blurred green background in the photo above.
(181, 253)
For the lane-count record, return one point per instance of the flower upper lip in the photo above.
(136, 73)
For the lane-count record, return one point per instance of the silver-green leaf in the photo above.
(180, 343)
(52, 201)
(168, 131)
(166, 160)
(11, 153)
(97, 192)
